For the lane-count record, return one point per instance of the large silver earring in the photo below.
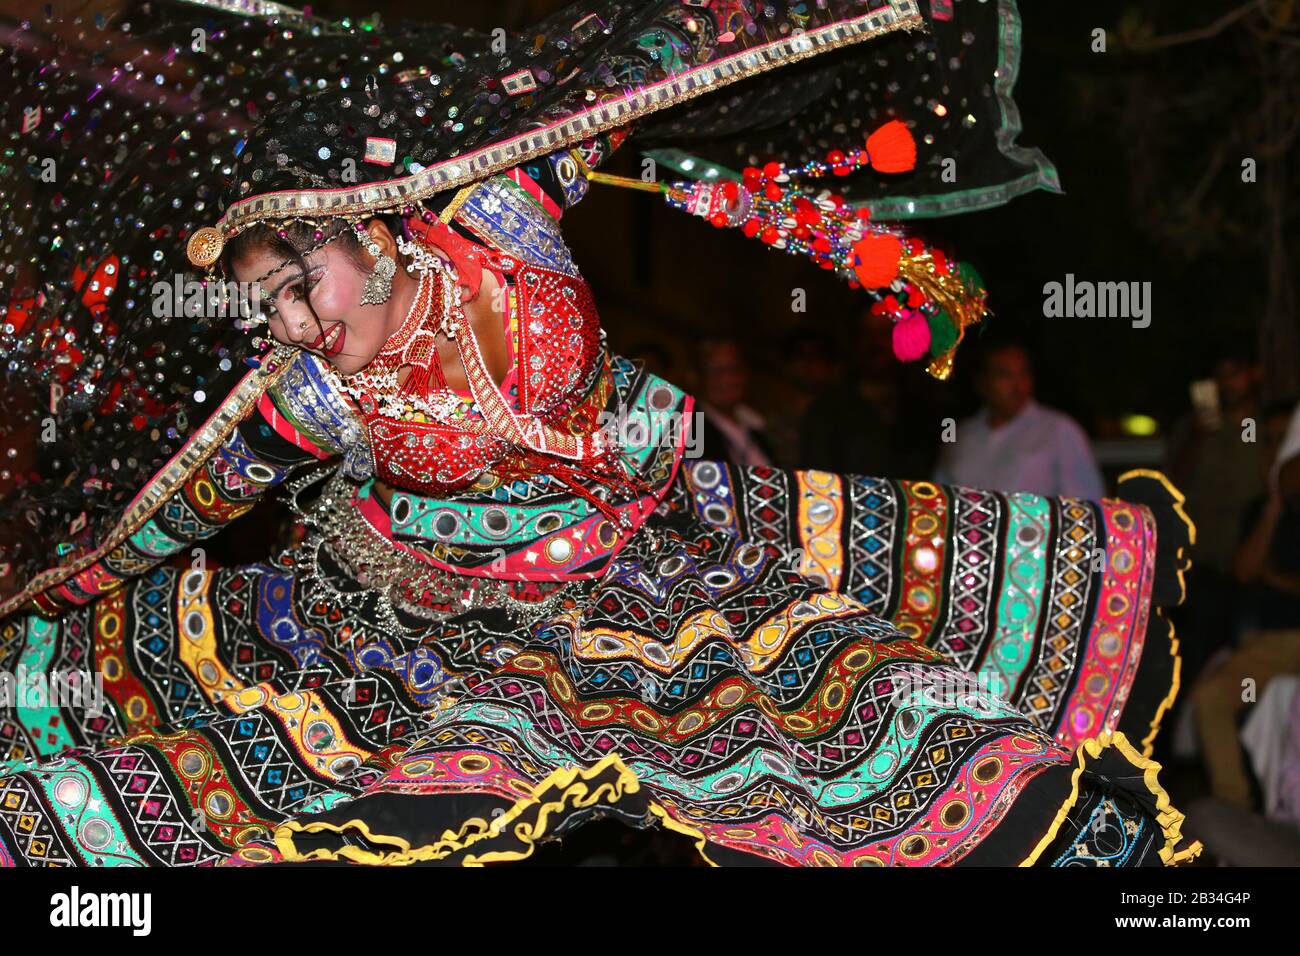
(379, 283)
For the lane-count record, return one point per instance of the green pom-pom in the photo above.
(970, 276)
(943, 332)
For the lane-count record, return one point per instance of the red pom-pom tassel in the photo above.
(892, 148)
(878, 255)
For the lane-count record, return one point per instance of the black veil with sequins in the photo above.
(123, 135)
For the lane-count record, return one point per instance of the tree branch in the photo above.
(1204, 33)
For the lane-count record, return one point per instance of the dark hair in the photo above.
(652, 353)
(811, 338)
(714, 341)
(709, 343)
(993, 345)
(1243, 350)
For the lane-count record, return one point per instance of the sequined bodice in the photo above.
(440, 441)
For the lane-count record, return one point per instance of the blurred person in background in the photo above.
(812, 367)
(1219, 467)
(1013, 443)
(867, 423)
(1212, 461)
(1267, 559)
(733, 431)
(1267, 565)
(1286, 467)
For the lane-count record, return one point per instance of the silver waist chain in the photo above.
(376, 572)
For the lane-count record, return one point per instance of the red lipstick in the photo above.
(330, 342)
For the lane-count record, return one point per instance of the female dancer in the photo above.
(507, 618)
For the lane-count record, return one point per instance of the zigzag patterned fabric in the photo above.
(767, 670)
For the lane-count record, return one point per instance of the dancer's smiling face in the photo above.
(319, 308)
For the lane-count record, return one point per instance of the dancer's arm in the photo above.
(561, 175)
(252, 442)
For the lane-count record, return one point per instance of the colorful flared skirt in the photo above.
(780, 668)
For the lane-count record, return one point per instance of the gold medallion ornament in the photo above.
(204, 247)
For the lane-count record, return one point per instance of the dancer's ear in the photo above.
(384, 239)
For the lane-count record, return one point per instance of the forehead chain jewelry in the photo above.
(320, 239)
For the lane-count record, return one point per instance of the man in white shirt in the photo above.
(1015, 444)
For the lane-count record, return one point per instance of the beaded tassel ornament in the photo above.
(932, 299)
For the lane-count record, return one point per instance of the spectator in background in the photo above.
(1267, 561)
(866, 425)
(812, 366)
(1211, 463)
(1220, 473)
(733, 431)
(1015, 444)
(1286, 468)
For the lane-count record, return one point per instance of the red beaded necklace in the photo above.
(414, 344)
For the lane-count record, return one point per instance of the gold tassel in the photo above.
(964, 305)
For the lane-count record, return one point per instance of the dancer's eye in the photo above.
(302, 288)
